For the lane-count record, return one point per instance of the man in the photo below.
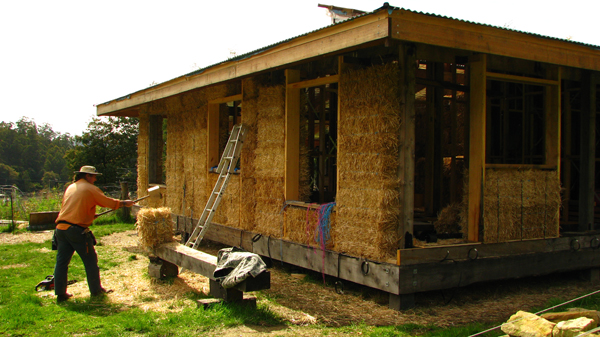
(77, 213)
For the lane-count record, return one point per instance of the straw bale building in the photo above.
(368, 134)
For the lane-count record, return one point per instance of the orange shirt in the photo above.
(79, 204)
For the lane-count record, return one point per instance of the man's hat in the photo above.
(88, 170)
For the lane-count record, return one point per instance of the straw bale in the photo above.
(296, 227)
(154, 227)
(301, 226)
(368, 197)
(268, 223)
(369, 161)
(175, 161)
(367, 179)
(448, 220)
(248, 203)
(232, 199)
(521, 204)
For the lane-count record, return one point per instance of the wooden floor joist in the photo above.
(205, 265)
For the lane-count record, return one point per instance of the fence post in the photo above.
(125, 211)
(12, 212)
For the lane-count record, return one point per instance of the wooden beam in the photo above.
(448, 274)
(406, 170)
(524, 79)
(336, 38)
(457, 34)
(382, 276)
(221, 100)
(588, 151)
(212, 131)
(292, 136)
(567, 127)
(188, 258)
(314, 82)
(205, 264)
(477, 124)
(552, 95)
(522, 166)
(477, 250)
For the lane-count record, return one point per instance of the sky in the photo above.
(60, 58)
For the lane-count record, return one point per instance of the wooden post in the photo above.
(155, 149)
(401, 302)
(213, 135)
(588, 151)
(430, 145)
(477, 125)
(552, 94)
(125, 211)
(567, 153)
(406, 171)
(292, 136)
(553, 125)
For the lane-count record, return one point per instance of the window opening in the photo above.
(516, 120)
(319, 135)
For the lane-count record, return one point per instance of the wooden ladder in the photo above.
(229, 160)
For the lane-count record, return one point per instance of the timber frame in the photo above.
(566, 71)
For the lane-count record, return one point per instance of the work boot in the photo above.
(102, 292)
(62, 298)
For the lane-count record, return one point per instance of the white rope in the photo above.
(537, 313)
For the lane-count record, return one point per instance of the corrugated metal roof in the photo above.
(390, 9)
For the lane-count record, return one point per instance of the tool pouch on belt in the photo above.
(89, 235)
(54, 242)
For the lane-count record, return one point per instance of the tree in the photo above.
(109, 144)
(8, 175)
(25, 148)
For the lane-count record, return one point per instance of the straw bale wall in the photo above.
(268, 160)
(368, 165)
(301, 225)
(520, 205)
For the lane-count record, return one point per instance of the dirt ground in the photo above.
(303, 301)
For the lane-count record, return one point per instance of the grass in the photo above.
(24, 313)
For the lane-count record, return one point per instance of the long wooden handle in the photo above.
(110, 210)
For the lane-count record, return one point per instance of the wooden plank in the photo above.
(522, 79)
(471, 251)
(587, 151)
(477, 125)
(376, 275)
(406, 169)
(523, 166)
(292, 136)
(222, 100)
(188, 258)
(452, 274)
(552, 96)
(444, 32)
(357, 32)
(314, 82)
(567, 152)
(212, 130)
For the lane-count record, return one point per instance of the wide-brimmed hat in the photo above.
(88, 170)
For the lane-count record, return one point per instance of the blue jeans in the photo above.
(74, 240)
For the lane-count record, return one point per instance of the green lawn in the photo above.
(24, 312)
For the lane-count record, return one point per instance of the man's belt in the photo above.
(72, 224)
